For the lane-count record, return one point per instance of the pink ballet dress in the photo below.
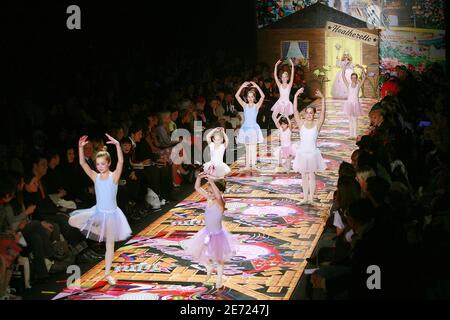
(213, 242)
(216, 167)
(352, 108)
(96, 221)
(283, 104)
(308, 157)
(286, 145)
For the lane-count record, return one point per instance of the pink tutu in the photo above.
(285, 107)
(206, 246)
(352, 108)
(287, 151)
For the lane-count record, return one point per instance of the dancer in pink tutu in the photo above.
(212, 244)
(285, 151)
(308, 159)
(104, 221)
(352, 108)
(283, 105)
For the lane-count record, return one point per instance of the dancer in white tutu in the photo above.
(283, 105)
(250, 133)
(104, 221)
(286, 151)
(212, 245)
(308, 159)
(352, 107)
(339, 89)
(217, 143)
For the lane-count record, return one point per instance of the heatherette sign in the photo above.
(352, 33)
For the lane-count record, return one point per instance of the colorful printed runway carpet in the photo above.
(276, 235)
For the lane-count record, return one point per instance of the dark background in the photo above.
(38, 45)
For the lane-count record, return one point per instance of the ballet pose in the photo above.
(352, 108)
(212, 245)
(286, 150)
(339, 89)
(283, 105)
(250, 133)
(308, 159)
(217, 142)
(104, 221)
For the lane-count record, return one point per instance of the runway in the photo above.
(276, 235)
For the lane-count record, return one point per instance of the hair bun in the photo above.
(105, 148)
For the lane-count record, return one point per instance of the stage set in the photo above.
(275, 233)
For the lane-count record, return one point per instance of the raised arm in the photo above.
(323, 112)
(118, 172)
(296, 113)
(276, 120)
(290, 123)
(198, 185)
(261, 93)
(343, 76)
(81, 143)
(291, 81)
(238, 94)
(225, 138)
(217, 194)
(275, 73)
(209, 135)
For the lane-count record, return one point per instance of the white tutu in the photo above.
(307, 162)
(308, 157)
(94, 223)
(216, 169)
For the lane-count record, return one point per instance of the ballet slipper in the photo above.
(219, 283)
(111, 280)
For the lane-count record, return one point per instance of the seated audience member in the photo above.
(54, 179)
(130, 192)
(362, 174)
(211, 113)
(346, 170)
(152, 174)
(163, 131)
(390, 87)
(46, 210)
(40, 237)
(379, 129)
(70, 175)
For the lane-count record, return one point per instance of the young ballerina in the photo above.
(352, 108)
(104, 221)
(250, 133)
(218, 143)
(283, 105)
(308, 159)
(339, 90)
(285, 152)
(213, 244)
